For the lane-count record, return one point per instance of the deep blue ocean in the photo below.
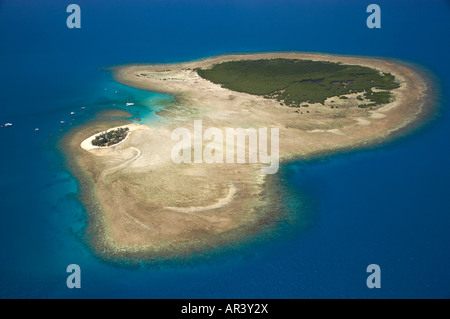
(387, 205)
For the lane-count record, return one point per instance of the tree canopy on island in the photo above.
(295, 81)
(111, 137)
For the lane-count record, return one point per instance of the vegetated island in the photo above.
(111, 137)
(296, 82)
(142, 205)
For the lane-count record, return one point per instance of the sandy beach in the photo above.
(144, 205)
(88, 146)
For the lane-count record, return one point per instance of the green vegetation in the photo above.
(110, 138)
(293, 81)
(381, 97)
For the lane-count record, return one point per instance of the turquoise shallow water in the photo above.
(387, 205)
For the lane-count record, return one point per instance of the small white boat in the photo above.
(82, 107)
(62, 122)
(36, 129)
(8, 124)
(129, 104)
